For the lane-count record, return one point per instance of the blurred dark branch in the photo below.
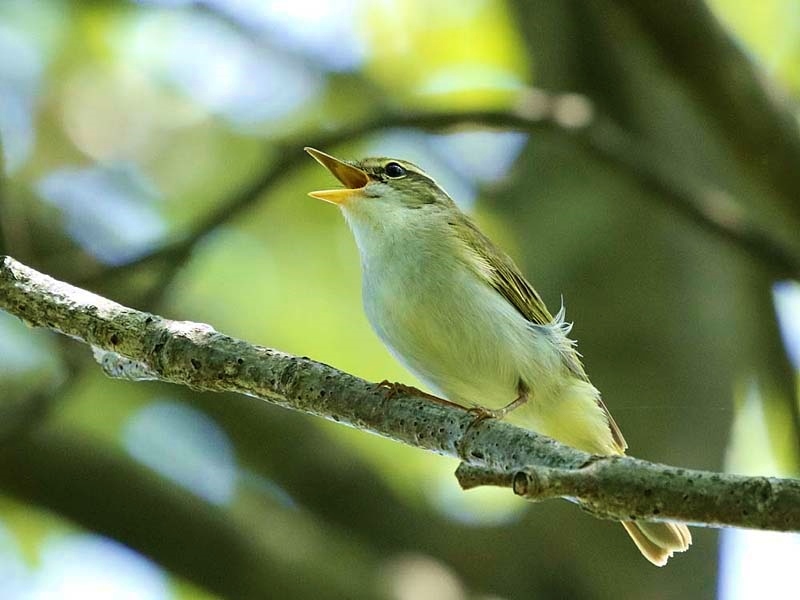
(104, 490)
(766, 135)
(138, 345)
(21, 413)
(761, 129)
(698, 200)
(708, 206)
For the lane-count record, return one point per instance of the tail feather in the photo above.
(577, 416)
(658, 541)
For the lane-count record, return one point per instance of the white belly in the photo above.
(461, 337)
(458, 335)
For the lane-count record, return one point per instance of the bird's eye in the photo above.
(394, 170)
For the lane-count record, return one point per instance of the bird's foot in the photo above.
(482, 413)
(397, 389)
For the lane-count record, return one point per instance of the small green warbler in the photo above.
(456, 310)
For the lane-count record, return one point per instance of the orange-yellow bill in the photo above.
(353, 178)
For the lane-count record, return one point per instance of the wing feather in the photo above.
(505, 277)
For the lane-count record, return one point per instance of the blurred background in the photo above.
(152, 152)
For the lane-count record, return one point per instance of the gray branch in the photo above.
(138, 345)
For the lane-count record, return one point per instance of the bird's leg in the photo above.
(396, 389)
(482, 413)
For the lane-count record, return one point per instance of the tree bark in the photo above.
(137, 345)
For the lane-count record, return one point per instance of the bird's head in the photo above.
(386, 189)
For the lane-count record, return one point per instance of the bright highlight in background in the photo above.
(756, 564)
(787, 305)
(185, 446)
(80, 567)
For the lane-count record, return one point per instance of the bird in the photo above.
(458, 313)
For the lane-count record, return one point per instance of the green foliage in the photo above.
(192, 104)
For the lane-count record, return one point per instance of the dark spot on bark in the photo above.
(648, 492)
(148, 320)
(240, 361)
(477, 454)
(220, 375)
(656, 511)
(114, 339)
(158, 348)
(766, 493)
(196, 364)
(287, 377)
(322, 393)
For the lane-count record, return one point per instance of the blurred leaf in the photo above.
(13, 571)
(89, 566)
(219, 67)
(787, 307)
(753, 561)
(28, 34)
(325, 31)
(19, 80)
(771, 30)
(469, 70)
(185, 446)
(30, 362)
(190, 97)
(110, 211)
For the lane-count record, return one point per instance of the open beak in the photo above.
(352, 178)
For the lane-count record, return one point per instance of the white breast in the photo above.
(452, 330)
(460, 336)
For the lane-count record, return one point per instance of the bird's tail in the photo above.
(658, 541)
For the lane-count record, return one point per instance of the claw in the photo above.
(395, 389)
(482, 413)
